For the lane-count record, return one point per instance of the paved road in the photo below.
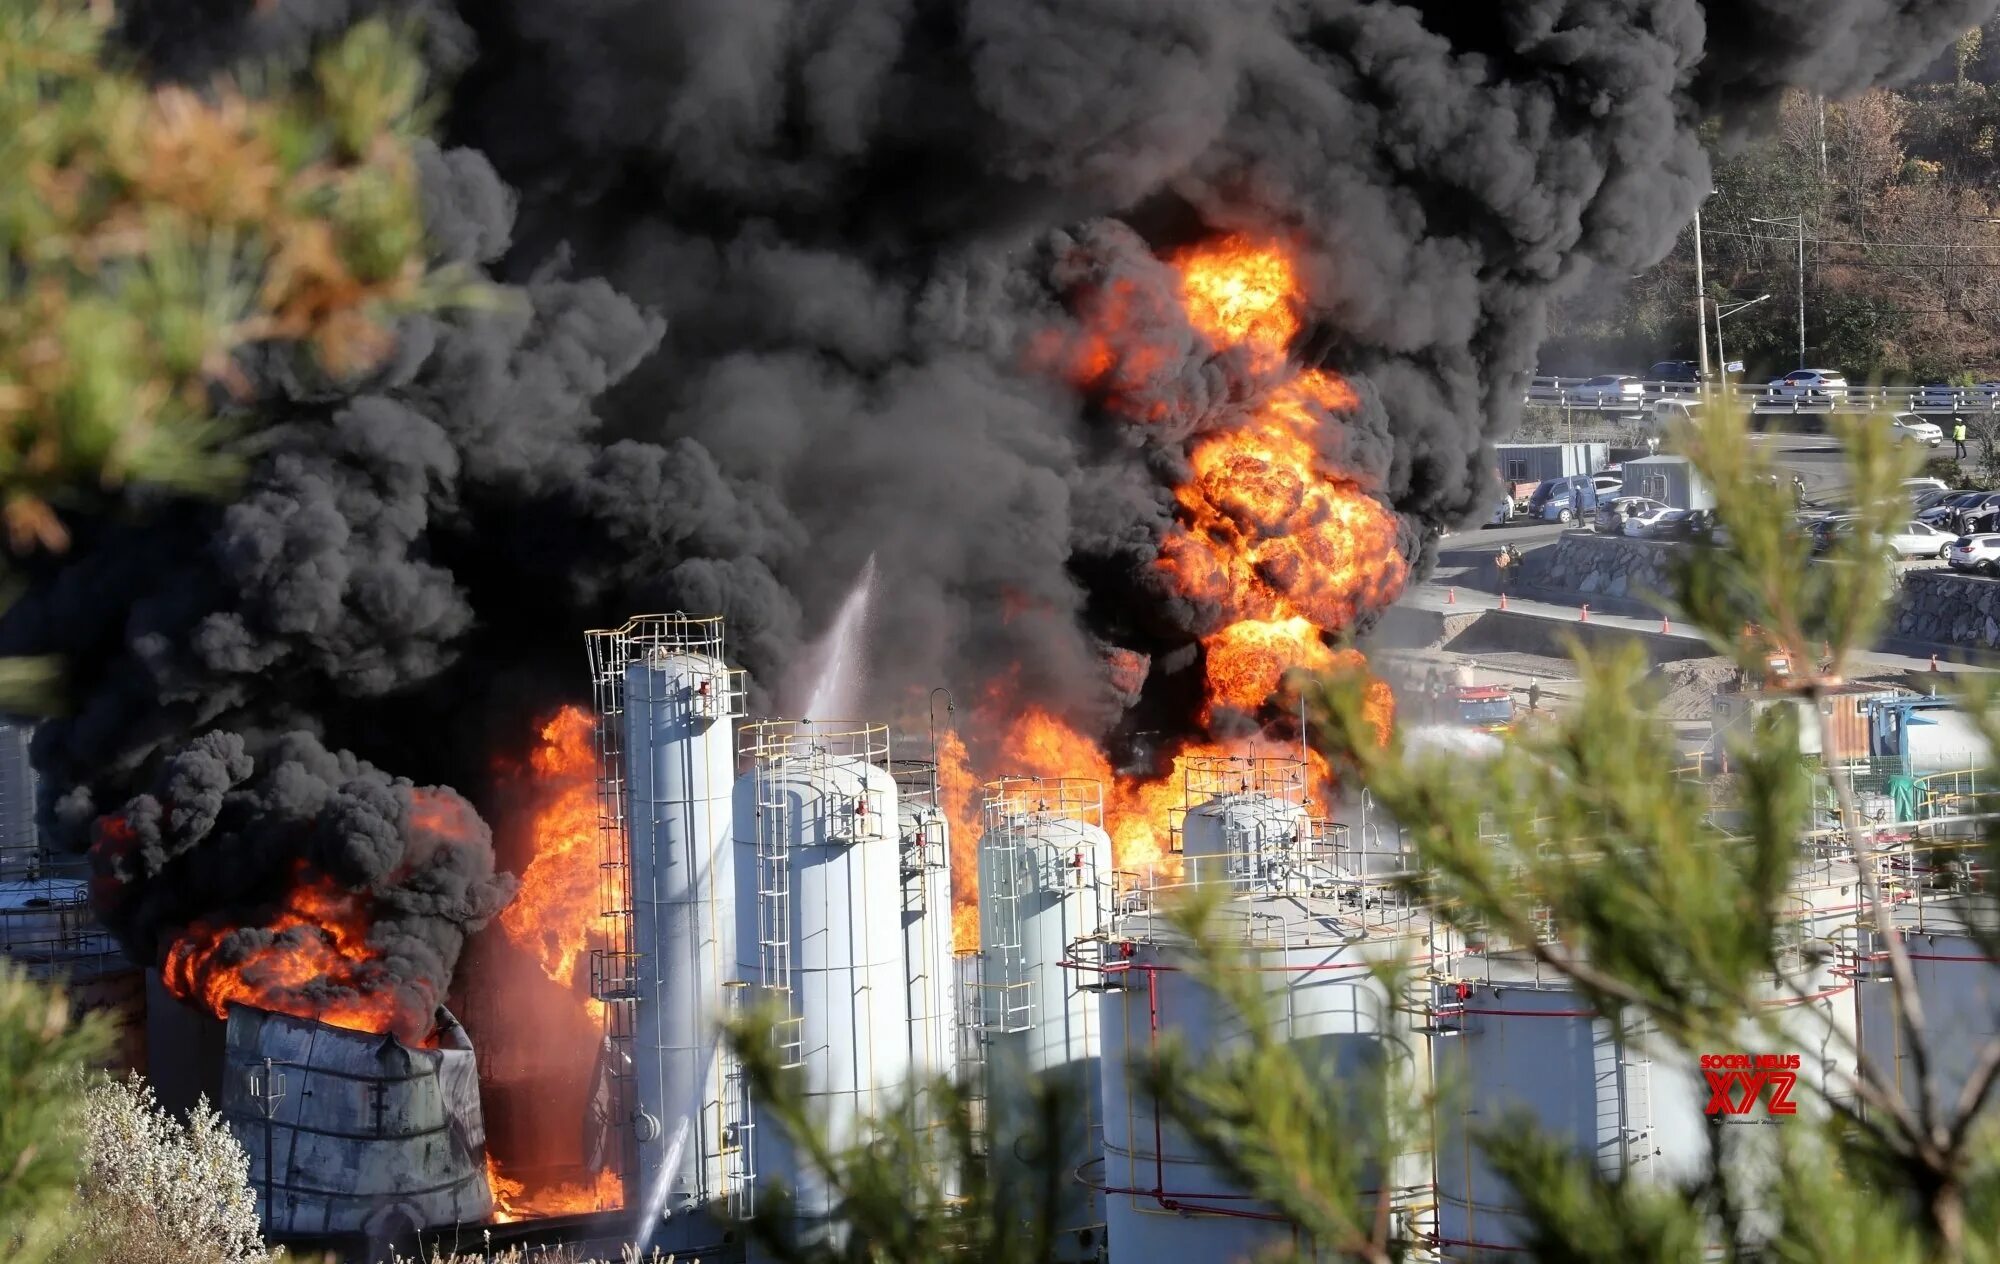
(1469, 601)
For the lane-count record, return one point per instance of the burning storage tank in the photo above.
(1044, 887)
(667, 703)
(819, 889)
(929, 970)
(1313, 936)
(353, 1133)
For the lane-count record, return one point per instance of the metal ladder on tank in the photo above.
(738, 1131)
(1010, 1005)
(1624, 1107)
(774, 912)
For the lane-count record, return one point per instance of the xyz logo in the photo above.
(1736, 1082)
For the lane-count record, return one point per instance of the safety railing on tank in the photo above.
(922, 830)
(1207, 778)
(1347, 903)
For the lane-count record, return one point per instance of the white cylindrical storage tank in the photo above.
(1164, 1200)
(680, 775)
(819, 899)
(1250, 840)
(1958, 985)
(1522, 1040)
(929, 975)
(1044, 884)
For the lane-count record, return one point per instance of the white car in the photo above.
(1919, 539)
(1918, 486)
(1823, 385)
(1651, 521)
(1667, 412)
(1979, 553)
(1912, 539)
(1609, 390)
(1910, 428)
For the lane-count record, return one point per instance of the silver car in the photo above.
(1609, 390)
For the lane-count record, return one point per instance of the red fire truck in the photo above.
(1488, 708)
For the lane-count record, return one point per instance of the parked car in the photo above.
(1919, 539)
(1910, 428)
(1917, 487)
(1611, 515)
(1810, 385)
(1608, 483)
(1913, 539)
(1942, 512)
(1656, 523)
(1609, 390)
(1503, 512)
(1977, 553)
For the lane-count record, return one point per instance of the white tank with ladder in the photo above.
(819, 900)
(667, 706)
(1044, 886)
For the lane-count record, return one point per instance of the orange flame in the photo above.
(1274, 535)
(557, 913)
(512, 1200)
(311, 959)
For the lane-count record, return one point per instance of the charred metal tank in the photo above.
(353, 1133)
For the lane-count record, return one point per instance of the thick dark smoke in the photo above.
(777, 268)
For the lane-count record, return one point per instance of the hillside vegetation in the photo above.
(1900, 191)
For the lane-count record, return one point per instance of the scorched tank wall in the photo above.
(369, 1136)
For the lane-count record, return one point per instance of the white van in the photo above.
(1667, 412)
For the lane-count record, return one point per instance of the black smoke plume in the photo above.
(774, 267)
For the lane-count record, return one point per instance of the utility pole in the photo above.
(1721, 356)
(1787, 222)
(1700, 299)
(1822, 142)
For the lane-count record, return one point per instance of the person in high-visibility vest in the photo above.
(1958, 437)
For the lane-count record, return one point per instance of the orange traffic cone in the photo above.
(1934, 665)
(1451, 596)
(1583, 615)
(1503, 601)
(1666, 626)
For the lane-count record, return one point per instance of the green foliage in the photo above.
(151, 232)
(919, 1190)
(43, 1051)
